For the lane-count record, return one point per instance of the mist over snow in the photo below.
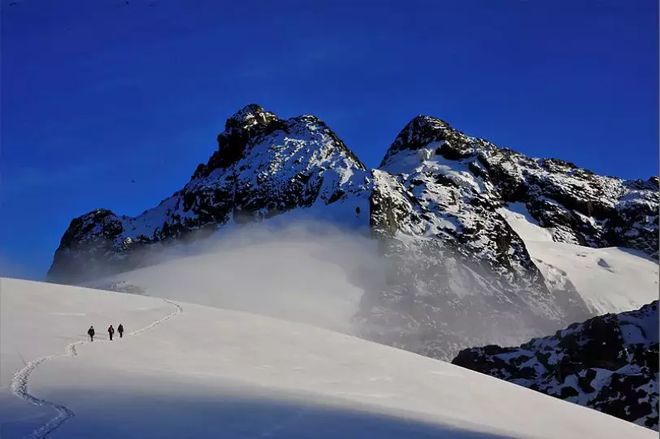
(302, 270)
(306, 271)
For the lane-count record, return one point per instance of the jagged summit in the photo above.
(251, 124)
(579, 206)
(427, 136)
(264, 166)
(243, 126)
(249, 116)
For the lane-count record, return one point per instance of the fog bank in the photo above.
(309, 272)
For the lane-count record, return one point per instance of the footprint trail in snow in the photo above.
(21, 380)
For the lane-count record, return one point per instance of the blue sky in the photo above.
(108, 104)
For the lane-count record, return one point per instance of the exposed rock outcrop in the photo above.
(608, 363)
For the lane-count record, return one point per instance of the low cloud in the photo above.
(309, 272)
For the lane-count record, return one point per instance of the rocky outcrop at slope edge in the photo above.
(608, 363)
(460, 275)
(264, 166)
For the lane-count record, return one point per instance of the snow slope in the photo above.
(194, 371)
(608, 279)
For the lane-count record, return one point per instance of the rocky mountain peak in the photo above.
(252, 124)
(246, 124)
(420, 131)
(248, 117)
(436, 135)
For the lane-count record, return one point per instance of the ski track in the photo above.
(21, 379)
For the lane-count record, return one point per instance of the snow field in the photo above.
(207, 372)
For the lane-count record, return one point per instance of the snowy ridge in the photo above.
(609, 363)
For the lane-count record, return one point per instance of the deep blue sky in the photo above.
(111, 105)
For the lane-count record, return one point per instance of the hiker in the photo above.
(120, 329)
(91, 333)
(111, 331)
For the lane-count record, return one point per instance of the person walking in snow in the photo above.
(111, 332)
(91, 333)
(120, 329)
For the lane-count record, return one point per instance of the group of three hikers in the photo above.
(111, 332)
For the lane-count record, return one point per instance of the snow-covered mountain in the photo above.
(609, 363)
(460, 273)
(263, 166)
(576, 205)
(185, 370)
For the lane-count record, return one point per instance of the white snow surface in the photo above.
(192, 371)
(609, 280)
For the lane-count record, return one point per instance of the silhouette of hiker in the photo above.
(91, 333)
(111, 332)
(120, 329)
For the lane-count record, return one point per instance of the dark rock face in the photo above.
(89, 241)
(608, 363)
(264, 166)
